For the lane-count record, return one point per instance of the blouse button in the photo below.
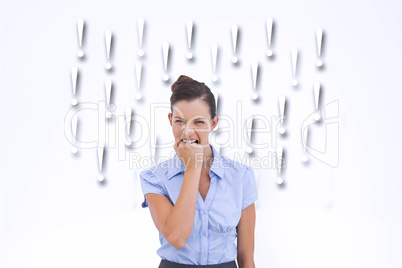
(204, 234)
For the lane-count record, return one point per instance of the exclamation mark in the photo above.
(108, 39)
(101, 149)
(317, 88)
(216, 96)
(140, 34)
(294, 64)
(235, 30)
(128, 113)
(279, 153)
(80, 26)
(282, 103)
(74, 74)
(74, 124)
(165, 50)
(254, 72)
(108, 90)
(218, 148)
(214, 50)
(304, 140)
(269, 33)
(189, 35)
(249, 124)
(138, 69)
(318, 34)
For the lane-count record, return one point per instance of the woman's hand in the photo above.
(190, 154)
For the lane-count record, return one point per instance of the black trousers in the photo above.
(168, 264)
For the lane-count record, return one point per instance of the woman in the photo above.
(199, 200)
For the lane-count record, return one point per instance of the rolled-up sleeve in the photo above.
(150, 184)
(250, 193)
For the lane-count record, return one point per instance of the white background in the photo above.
(54, 212)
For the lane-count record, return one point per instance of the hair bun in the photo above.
(180, 80)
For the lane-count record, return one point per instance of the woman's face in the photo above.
(191, 120)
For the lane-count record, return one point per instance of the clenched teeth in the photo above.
(190, 141)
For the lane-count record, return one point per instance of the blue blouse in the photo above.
(213, 238)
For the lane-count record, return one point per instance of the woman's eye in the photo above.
(181, 121)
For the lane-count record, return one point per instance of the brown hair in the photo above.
(186, 88)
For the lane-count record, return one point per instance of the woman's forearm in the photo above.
(181, 220)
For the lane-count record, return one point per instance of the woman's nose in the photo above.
(188, 128)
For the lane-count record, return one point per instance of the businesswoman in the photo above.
(200, 201)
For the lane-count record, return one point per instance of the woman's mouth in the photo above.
(190, 141)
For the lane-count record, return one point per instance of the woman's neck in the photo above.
(208, 158)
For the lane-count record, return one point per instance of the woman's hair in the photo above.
(186, 88)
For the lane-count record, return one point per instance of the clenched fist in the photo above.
(190, 154)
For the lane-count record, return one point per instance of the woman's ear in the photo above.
(215, 121)
(170, 118)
